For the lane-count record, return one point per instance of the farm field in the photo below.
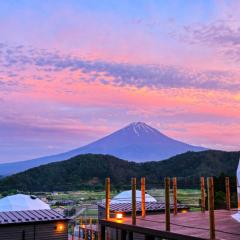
(86, 202)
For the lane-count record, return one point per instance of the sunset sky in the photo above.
(74, 71)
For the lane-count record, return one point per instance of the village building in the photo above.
(25, 217)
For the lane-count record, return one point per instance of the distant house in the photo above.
(24, 217)
(66, 202)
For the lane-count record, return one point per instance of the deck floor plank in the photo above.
(194, 224)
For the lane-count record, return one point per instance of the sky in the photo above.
(72, 71)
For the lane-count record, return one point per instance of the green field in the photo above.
(88, 199)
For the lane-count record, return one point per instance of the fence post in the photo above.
(73, 227)
(134, 182)
(80, 227)
(203, 205)
(167, 204)
(85, 232)
(107, 201)
(102, 232)
(211, 208)
(228, 198)
(175, 195)
(91, 229)
(143, 196)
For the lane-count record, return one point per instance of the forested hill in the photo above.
(90, 171)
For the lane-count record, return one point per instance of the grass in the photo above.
(185, 196)
(90, 212)
(78, 195)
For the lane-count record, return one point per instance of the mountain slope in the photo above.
(136, 142)
(90, 171)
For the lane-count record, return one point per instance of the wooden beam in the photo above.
(211, 208)
(143, 197)
(228, 195)
(167, 204)
(134, 203)
(203, 204)
(175, 196)
(107, 199)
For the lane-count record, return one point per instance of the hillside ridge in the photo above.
(90, 170)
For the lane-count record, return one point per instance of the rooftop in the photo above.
(21, 202)
(150, 206)
(30, 216)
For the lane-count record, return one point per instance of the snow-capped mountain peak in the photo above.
(136, 142)
(141, 127)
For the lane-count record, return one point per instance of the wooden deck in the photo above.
(191, 225)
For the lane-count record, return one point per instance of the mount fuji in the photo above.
(136, 142)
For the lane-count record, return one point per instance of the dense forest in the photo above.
(89, 172)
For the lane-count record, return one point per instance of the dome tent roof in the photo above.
(21, 202)
(126, 197)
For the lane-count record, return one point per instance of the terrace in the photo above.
(204, 224)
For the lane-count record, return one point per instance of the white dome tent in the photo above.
(126, 197)
(237, 215)
(21, 202)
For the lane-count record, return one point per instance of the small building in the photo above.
(66, 202)
(24, 217)
(33, 225)
(122, 203)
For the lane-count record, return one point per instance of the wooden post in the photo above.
(203, 205)
(103, 234)
(143, 196)
(108, 234)
(107, 203)
(134, 210)
(79, 229)
(91, 229)
(73, 227)
(167, 204)
(175, 195)
(85, 231)
(123, 234)
(79, 232)
(130, 235)
(228, 198)
(211, 208)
